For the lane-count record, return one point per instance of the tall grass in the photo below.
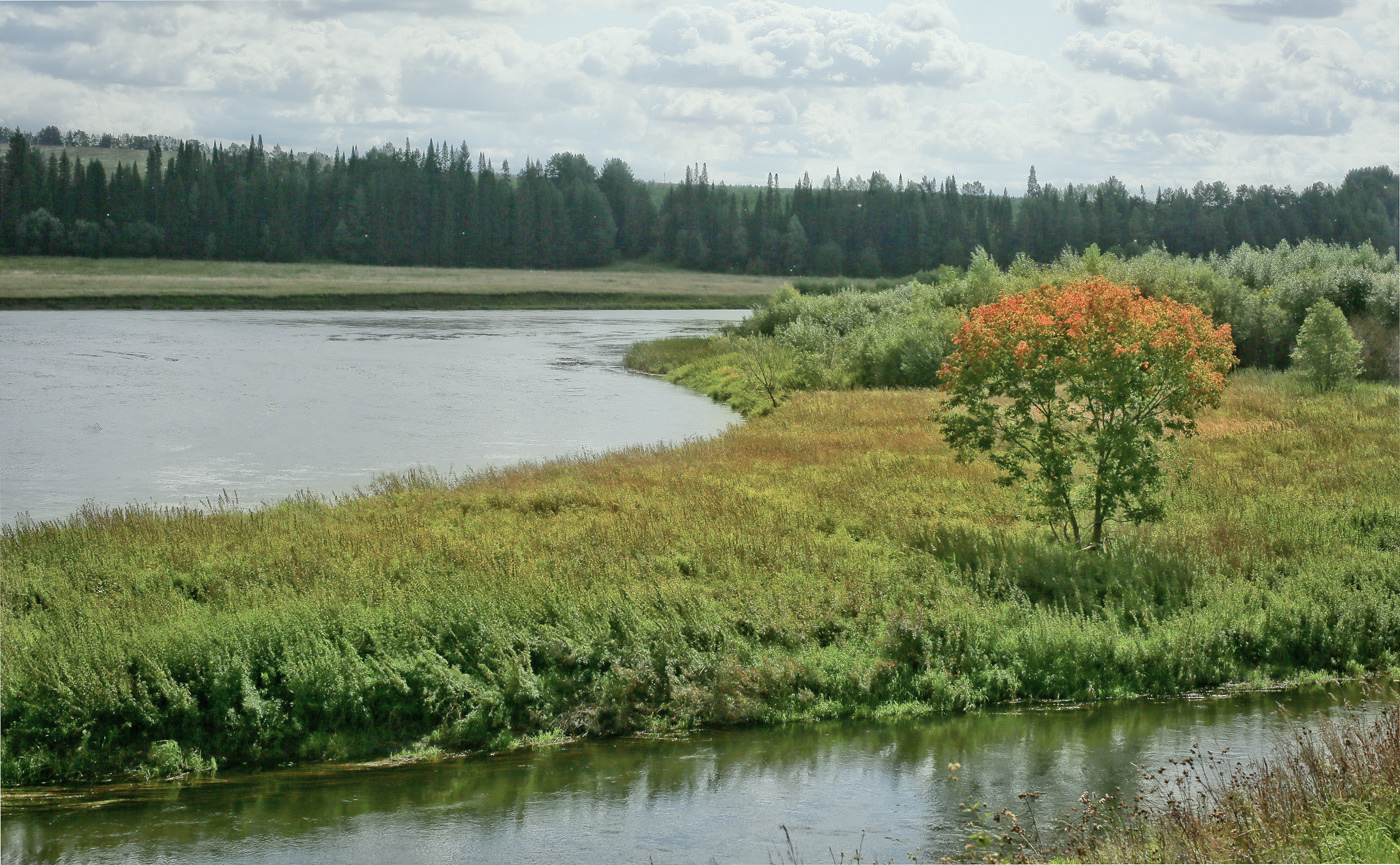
(827, 559)
(1329, 797)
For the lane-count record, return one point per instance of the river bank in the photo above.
(709, 795)
(28, 282)
(1327, 795)
(827, 560)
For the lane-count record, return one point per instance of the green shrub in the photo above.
(1327, 353)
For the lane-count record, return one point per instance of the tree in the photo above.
(1073, 387)
(41, 233)
(766, 364)
(1327, 353)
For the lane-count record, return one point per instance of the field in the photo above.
(81, 283)
(826, 559)
(110, 157)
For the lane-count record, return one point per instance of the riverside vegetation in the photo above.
(1328, 796)
(828, 559)
(838, 334)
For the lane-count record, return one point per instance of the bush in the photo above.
(1327, 354)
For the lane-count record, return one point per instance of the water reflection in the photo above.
(719, 795)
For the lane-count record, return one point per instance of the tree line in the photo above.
(440, 207)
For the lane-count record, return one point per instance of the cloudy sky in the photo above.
(1157, 93)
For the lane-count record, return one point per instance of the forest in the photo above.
(441, 207)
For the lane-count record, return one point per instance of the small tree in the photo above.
(1327, 353)
(1073, 387)
(766, 364)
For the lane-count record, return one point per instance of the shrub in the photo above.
(1327, 354)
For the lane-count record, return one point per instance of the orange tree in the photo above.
(1072, 388)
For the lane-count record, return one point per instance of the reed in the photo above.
(1328, 796)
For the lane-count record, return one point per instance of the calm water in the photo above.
(176, 408)
(716, 797)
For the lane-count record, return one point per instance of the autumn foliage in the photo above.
(1073, 387)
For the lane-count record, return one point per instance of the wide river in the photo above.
(171, 408)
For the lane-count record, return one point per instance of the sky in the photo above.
(1159, 93)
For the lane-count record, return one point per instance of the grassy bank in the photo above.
(1329, 795)
(81, 283)
(712, 365)
(827, 559)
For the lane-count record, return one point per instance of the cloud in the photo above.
(1244, 108)
(919, 16)
(1102, 13)
(1138, 55)
(1302, 80)
(1157, 13)
(718, 107)
(1384, 18)
(754, 43)
(1332, 55)
(1268, 11)
(321, 9)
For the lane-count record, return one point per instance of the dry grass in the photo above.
(110, 157)
(58, 278)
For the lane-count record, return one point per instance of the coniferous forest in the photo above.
(444, 207)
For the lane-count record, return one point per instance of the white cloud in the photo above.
(754, 43)
(920, 15)
(1138, 55)
(1308, 80)
(1382, 19)
(436, 8)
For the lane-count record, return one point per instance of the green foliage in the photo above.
(849, 334)
(897, 337)
(167, 760)
(405, 206)
(1327, 354)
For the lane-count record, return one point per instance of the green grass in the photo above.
(110, 157)
(80, 283)
(827, 559)
(708, 364)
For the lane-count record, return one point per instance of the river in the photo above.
(182, 408)
(878, 788)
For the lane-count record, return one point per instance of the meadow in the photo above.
(827, 559)
(28, 282)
